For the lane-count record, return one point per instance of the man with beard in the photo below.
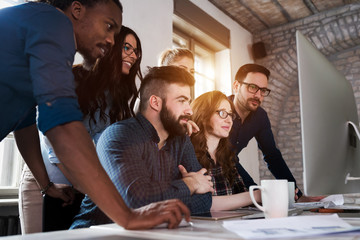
(147, 157)
(250, 88)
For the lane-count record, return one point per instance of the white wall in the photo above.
(152, 21)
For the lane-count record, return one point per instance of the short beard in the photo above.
(249, 107)
(170, 123)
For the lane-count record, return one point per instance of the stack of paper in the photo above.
(299, 226)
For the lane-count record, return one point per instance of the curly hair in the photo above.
(203, 108)
(105, 80)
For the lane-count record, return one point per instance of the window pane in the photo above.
(204, 68)
(181, 42)
(10, 163)
(8, 3)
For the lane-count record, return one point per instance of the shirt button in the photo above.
(69, 63)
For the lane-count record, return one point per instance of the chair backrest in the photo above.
(55, 216)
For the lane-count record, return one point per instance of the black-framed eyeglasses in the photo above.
(253, 88)
(128, 49)
(224, 114)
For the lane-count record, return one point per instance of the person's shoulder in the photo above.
(260, 112)
(182, 141)
(42, 15)
(32, 9)
(122, 131)
(126, 126)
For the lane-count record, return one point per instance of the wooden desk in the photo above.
(202, 229)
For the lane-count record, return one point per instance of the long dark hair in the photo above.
(106, 80)
(203, 108)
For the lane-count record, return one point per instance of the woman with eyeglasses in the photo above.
(214, 114)
(106, 94)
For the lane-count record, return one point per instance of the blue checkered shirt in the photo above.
(141, 172)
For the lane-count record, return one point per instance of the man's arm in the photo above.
(191, 166)
(248, 181)
(27, 140)
(272, 155)
(141, 172)
(74, 148)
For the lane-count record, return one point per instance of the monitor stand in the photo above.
(353, 142)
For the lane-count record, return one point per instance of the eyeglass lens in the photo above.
(253, 88)
(130, 49)
(224, 114)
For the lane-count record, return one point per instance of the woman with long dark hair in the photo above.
(213, 112)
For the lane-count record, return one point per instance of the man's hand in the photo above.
(191, 127)
(62, 191)
(307, 198)
(169, 211)
(310, 198)
(197, 182)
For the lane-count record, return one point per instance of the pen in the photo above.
(327, 210)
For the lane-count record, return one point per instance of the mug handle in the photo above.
(251, 191)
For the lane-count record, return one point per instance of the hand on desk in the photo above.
(169, 211)
(307, 198)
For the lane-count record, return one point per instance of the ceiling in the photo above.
(259, 15)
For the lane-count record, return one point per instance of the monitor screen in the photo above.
(330, 144)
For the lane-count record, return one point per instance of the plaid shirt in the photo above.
(222, 184)
(141, 172)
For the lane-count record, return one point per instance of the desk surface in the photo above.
(202, 229)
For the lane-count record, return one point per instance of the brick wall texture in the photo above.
(337, 35)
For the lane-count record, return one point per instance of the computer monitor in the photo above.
(329, 125)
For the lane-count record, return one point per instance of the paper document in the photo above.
(308, 205)
(299, 226)
(337, 199)
(328, 202)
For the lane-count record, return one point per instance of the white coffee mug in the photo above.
(274, 197)
(291, 186)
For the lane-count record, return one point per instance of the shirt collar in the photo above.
(231, 98)
(149, 129)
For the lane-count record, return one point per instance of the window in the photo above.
(204, 62)
(9, 3)
(209, 40)
(11, 163)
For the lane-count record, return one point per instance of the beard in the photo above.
(249, 105)
(171, 124)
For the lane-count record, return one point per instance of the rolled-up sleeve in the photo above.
(50, 48)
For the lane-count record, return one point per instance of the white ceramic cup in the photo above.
(291, 186)
(274, 197)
